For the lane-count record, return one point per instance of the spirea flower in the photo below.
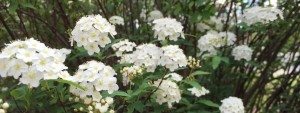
(167, 28)
(145, 55)
(116, 20)
(198, 92)
(129, 73)
(153, 15)
(173, 57)
(213, 40)
(261, 14)
(31, 61)
(174, 77)
(98, 75)
(91, 32)
(232, 105)
(168, 92)
(123, 46)
(242, 52)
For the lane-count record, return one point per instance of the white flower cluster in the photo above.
(91, 32)
(123, 46)
(198, 92)
(150, 56)
(242, 52)
(213, 40)
(116, 20)
(31, 61)
(232, 105)
(153, 15)
(261, 14)
(95, 77)
(3, 106)
(128, 73)
(94, 74)
(167, 27)
(173, 57)
(168, 91)
(147, 55)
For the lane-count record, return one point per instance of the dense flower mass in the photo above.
(123, 46)
(31, 61)
(95, 77)
(147, 55)
(153, 15)
(261, 14)
(173, 57)
(91, 32)
(167, 28)
(198, 92)
(213, 40)
(242, 52)
(116, 20)
(232, 105)
(168, 92)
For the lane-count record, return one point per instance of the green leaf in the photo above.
(208, 103)
(19, 93)
(139, 106)
(199, 73)
(193, 83)
(121, 93)
(216, 62)
(68, 82)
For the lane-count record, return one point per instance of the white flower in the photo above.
(220, 1)
(168, 92)
(31, 78)
(116, 20)
(17, 68)
(145, 55)
(92, 31)
(242, 52)
(123, 46)
(156, 14)
(174, 76)
(102, 108)
(167, 28)
(202, 27)
(232, 105)
(5, 105)
(3, 67)
(27, 55)
(198, 92)
(213, 40)
(261, 14)
(173, 57)
(229, 37)
(2, 111)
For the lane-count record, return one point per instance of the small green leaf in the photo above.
(121, 93)
(199, 73)
(216, 62)
(19, 93)
(208, 103)
(193, 83)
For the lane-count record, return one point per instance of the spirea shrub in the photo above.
(153, 60)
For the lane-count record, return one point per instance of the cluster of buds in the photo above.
(130, 73)
(96, 107)
(193, 63)
(3, 106)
